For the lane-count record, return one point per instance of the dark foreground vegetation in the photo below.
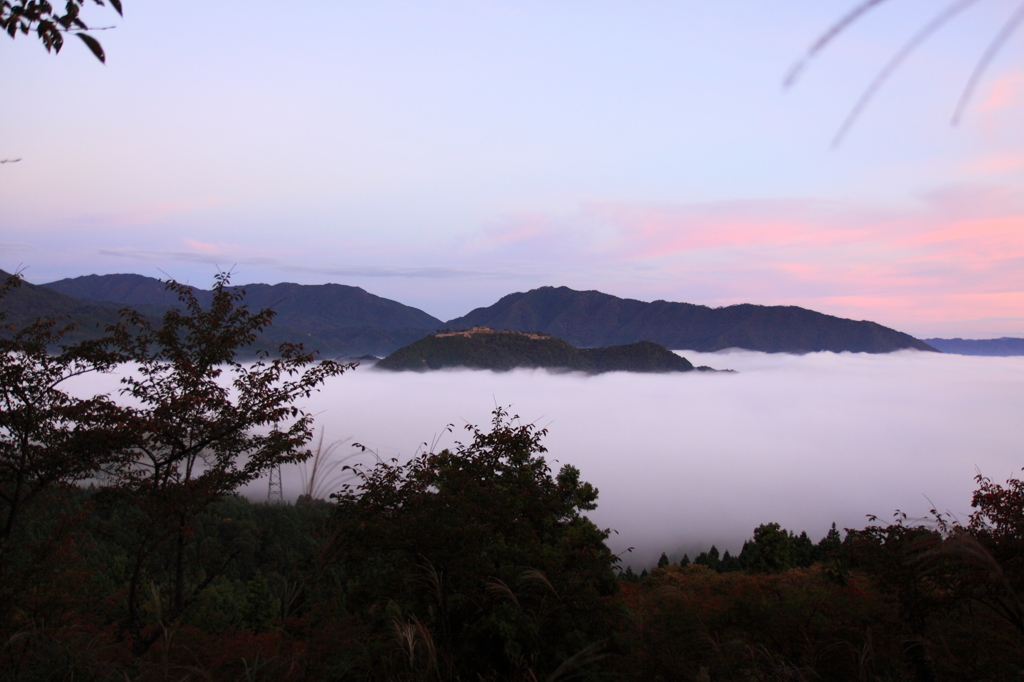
(126, 554)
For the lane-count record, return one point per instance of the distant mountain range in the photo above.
(334, 318)
(484, 348)
(344, 320)
(591, 318)
(27, 303)
(1003, 347)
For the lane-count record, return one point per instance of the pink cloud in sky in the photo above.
(1000, 162)
(1005, 92)
(202, 247)
(957, 255)
(221, 255)
(998, 112)
(142, 215)
(148, 214)
(523, 228)
(655, 231)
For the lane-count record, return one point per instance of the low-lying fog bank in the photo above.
(686, 460)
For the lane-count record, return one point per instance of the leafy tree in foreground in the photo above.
(50, 23)
(203, 425)
(994, 546)
(48, 438)
(477, 561)
(956, 586)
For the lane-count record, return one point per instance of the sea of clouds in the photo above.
(686, 460)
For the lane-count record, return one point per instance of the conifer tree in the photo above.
(830, 543)
(260, 605)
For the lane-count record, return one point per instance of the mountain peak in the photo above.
(593, 318)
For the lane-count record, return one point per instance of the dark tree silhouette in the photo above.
(482, 556)
(204, 425)
(50, 24)
(49, 439)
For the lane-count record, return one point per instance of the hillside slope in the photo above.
(592, 318)
(483, 348)
(27, 303)
(334, 318)
(310, 307)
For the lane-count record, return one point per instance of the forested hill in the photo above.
(1004, 347)
(26, 303)
(592, 318)
(483, 348)
(344, 320)
(308, 306)
(334, 318)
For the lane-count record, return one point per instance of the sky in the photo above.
(444, 153)
(684, 461)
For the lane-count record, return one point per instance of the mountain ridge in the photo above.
(344, 320)
(339, 305)
(593, 318)
(1006, 346)
(26, 303)
(334, 318)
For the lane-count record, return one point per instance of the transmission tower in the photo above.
(275, 491)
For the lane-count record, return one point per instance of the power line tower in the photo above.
(275, 491)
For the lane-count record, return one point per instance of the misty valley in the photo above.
(527, 509)
(512, 341)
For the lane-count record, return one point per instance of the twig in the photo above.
(894, 63)
(997, 43)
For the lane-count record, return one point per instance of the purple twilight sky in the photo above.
(444, 153)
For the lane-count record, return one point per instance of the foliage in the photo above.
(771, 550)
(692, 623)
(203, 424)
(48, 439)
(999, 519)
(479, 557)
(994, 547)
(47, 436)
(710, 558)
(952, 597)
(676, 623)
(49, 23)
